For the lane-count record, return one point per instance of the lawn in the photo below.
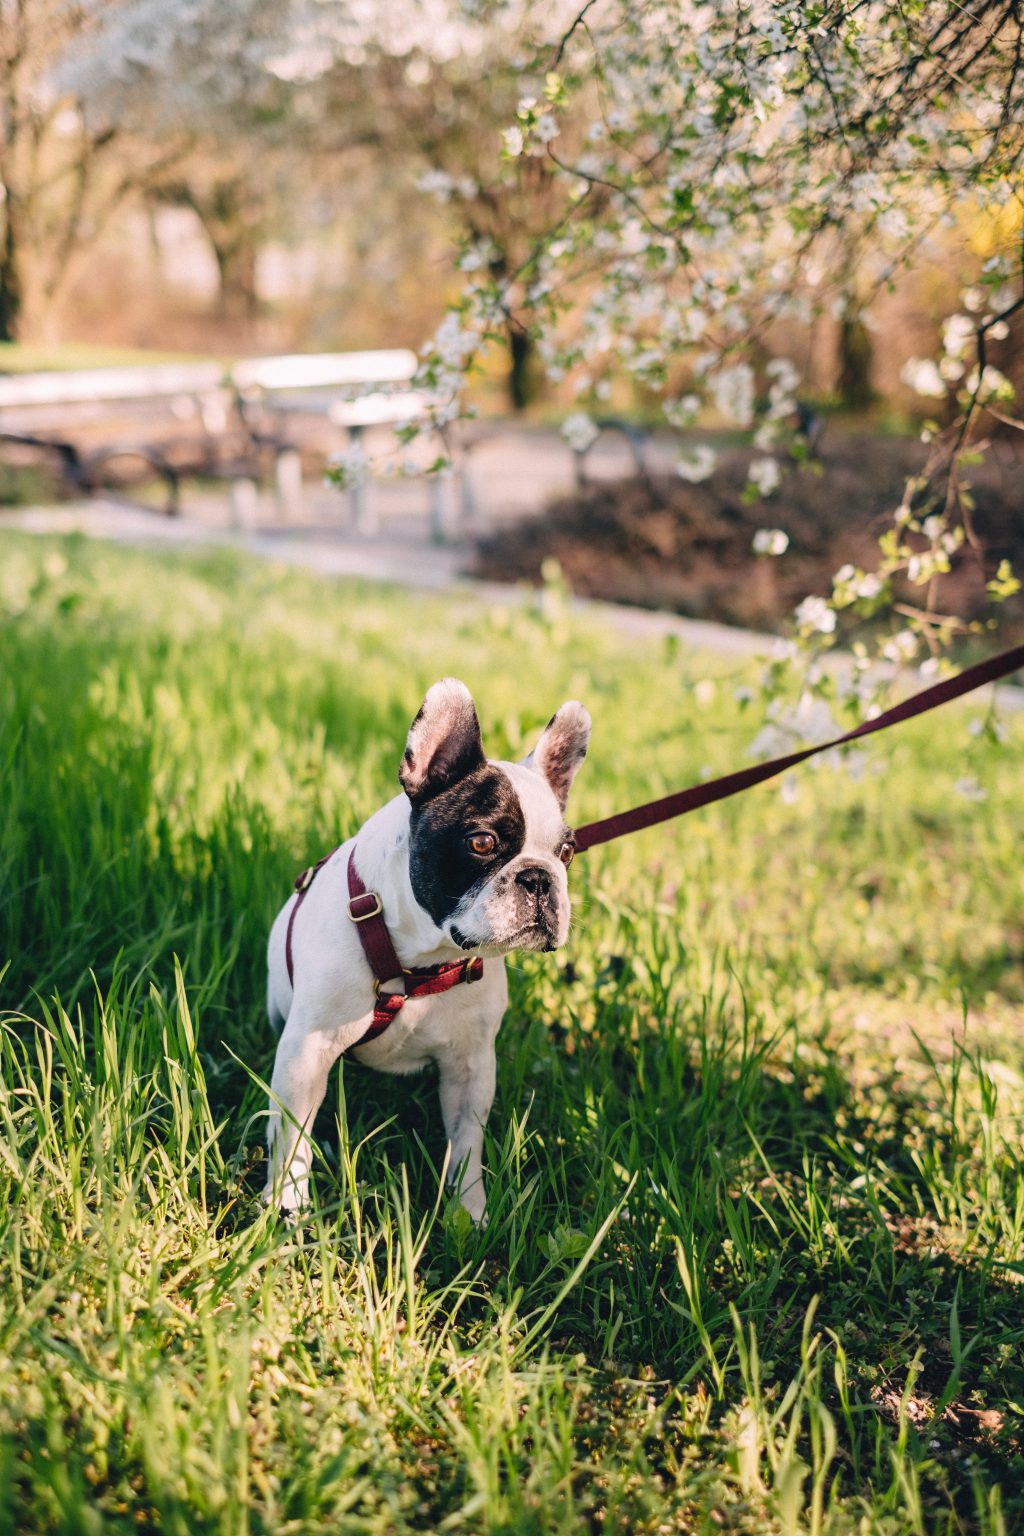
(754, 1258)
(22, 357)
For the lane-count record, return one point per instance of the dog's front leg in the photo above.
(467, 1092)
(304, 1059)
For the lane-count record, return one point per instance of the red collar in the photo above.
(366, 910)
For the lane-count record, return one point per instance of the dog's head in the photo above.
(489, 845)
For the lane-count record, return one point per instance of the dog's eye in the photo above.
(482, 843)
(567, 853)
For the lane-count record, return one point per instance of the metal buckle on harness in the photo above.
(362, 917)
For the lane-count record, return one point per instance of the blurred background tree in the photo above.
(312, 173)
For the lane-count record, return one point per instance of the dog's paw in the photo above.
(289, 1208)
(463, 1217)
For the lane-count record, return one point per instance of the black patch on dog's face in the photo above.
(442, 867)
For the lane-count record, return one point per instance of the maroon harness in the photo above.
(366, 910)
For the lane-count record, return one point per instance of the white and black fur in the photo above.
(442, 896)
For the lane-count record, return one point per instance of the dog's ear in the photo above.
(562, 748)
(444, 742)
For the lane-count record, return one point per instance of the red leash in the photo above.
(698, 795)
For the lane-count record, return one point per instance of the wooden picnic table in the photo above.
(204, 420)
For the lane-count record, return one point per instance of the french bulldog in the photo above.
(470, 858)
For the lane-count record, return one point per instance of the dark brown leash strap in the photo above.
(302, 885)
(698, 795)
(367, 912)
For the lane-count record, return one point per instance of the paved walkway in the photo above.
(515, 472)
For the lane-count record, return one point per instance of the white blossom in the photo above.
(765, 475)
(770, 541)
(352, 465)
(992, 384)
(682, 413)
(579, 431)
(732, 390)
(697, 463)
(436, 184)
(923, 376)
(815, 614)
(900, 647)
(958, 333)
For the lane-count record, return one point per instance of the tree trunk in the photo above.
(520, 384)
(856, 355)
(10, 284)
(236, 268)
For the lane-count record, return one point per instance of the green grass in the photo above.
(26, 357)
(754, 1259)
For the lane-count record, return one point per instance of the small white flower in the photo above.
(789, 789)
(704, 692)
(770, 541)
(923, 376)
(970, 789)
(765, 475)
(697, 464)
(352, 464)
(682, 413)
(972, 299)
(870, 585)
(958, 333)
(733, 393)
(932, 527)
(513, 140)
(547, 128)
(993, 384)
(436, 184)
(579, 431)
(784, 374)
(815, 614)
(999, 331)
(844, 574)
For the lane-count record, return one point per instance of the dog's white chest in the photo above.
(454, 1024)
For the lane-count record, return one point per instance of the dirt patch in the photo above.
(661, 543)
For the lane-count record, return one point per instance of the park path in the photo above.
(515, 471)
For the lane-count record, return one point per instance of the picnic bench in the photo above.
(108, 428)
(349, 392)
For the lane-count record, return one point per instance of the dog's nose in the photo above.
(536, 881)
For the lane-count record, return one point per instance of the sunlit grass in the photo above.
(756, 1210)
(24, 357)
